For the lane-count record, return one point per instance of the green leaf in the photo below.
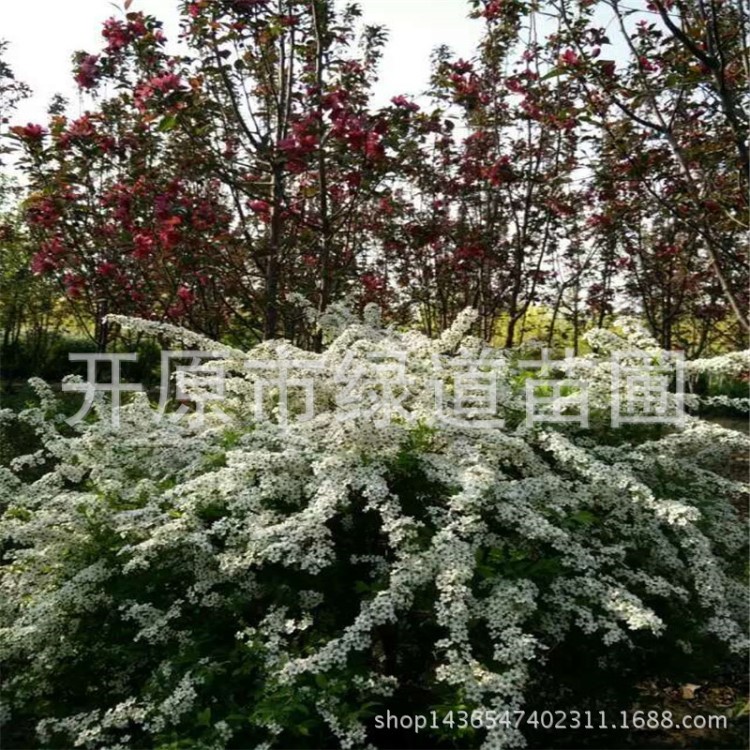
(584, 517)
(168, 123)
(554, 73)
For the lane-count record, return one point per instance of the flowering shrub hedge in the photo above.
(241, 582)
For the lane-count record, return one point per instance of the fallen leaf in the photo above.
(688, 691)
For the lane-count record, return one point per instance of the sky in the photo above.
(43, 34)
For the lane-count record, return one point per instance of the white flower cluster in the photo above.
(521, 535)
(732, 364)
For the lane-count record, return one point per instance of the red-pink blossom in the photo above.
(116, 33)
(81, 128)
(404, 103)
(165, 82)
(373, 282)
(42, 264)
(186, 295)
(143, 245)
(137, 25)
(259, 206)
(30, 132)
(43, 213)
(569, 58)
(169, 236)
(106, 268)
(373, 147)
(335, 100)
(88, 72)
(49, 257)
(492, 9)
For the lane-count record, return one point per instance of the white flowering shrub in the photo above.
(245, 579)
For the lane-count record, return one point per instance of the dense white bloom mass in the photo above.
(301, 545)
